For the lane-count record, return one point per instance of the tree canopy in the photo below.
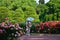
(49, 11)
(18, 10)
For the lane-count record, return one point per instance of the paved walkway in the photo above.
(41, 37)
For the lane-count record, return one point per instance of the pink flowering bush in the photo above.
(48, 27)
(10, 30)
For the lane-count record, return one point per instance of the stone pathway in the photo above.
(41, 37)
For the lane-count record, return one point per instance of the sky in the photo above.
(45, 1)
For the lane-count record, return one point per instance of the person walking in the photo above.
(28, 27)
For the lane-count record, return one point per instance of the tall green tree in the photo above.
(52, 8)
(31, 12)
(19, 10)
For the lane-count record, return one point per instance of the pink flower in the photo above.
(16, 28)
(2, 24)
(6, 18)
(20, 28)
(1, 31)
(6, 27)
(19, 34)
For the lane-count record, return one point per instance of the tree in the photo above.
(52, 9)
(41, 1)
(42, 11)
(31, 12)
(19, 10)
(3, 13)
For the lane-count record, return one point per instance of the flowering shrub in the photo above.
(49, 27)
(10, 30)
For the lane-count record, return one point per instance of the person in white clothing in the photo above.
(28, 26)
